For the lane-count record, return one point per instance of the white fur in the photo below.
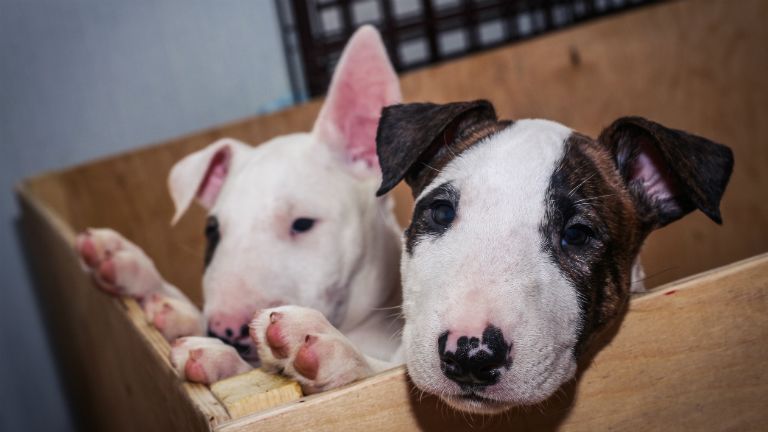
(489, 269)
(342, 267)
(345, 267)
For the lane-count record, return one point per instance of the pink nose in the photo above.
(232, 328)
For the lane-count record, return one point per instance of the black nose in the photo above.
(475, 362)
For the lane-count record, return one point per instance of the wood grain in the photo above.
(255, 391)
(689, 356)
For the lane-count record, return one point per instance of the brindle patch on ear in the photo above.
(677, 173)
(586, 189)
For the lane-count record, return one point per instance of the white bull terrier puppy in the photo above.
(524, 237)
(294, 221)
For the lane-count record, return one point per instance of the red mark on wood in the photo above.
(670, 292)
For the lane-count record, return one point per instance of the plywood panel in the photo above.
(116, 365)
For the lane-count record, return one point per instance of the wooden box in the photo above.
(690, 355)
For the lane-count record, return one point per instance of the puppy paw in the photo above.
(118, 266)
(300, 343)
(172, 317)
(206, 360)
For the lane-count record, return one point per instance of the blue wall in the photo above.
(81, 79)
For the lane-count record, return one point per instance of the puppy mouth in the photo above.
(246, 351)
(475, 403)
(474, 397)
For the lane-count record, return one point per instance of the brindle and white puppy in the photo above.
(524, 239)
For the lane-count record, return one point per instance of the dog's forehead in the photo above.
(286, 172)
(281, 161)
(516, 163)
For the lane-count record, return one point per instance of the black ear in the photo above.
(412, 135)
(668, 172)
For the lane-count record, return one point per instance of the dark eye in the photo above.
(576, 235)
(301, 225)
(212, 235)
(443, 213)
(211, 227)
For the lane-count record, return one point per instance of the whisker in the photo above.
(448, 146)
(385, 308)
(433, 169)
(592, 198)
(580, 184)
(397, 334)
(581, 204)
(464, 416)
(656, 274)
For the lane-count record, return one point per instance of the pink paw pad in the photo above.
(87, 250)
(300, 343)
(160, 318)
(275, 339)
(307, 362)
(173, 318)
(194, 370)
(107, 272)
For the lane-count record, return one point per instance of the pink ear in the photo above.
(363, 84)
(650, 171)
(214, 178)
(202, 175)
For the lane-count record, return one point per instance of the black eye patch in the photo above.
(433, 215)
(212, 237)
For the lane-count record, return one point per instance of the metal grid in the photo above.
(419, 32)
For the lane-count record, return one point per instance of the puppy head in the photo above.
(523, 238)
(295, 220)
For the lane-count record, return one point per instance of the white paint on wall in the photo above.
(80, 79)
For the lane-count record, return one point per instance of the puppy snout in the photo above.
(233, 332)
(472, 360)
